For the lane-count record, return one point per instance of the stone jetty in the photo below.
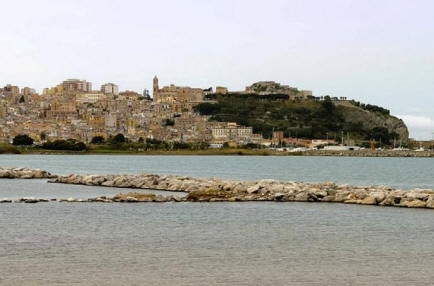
(218, 190)
(23, 173)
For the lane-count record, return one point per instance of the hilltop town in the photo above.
(74, 110)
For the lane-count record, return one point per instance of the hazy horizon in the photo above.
(377, 52)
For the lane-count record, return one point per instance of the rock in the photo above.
(430, 202)
(369, 201)
(328, 199)
(24, 173)
(68, 200)
(253, 189)
(279, 197)
(378, 196)
(301, 197)
(31, 200)
(417, 194)
(414, 204)
(320, 193)
(131, 200)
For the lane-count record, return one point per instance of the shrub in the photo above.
(22, 139)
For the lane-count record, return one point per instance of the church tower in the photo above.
(155, 89)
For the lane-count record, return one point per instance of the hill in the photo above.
(310, 118)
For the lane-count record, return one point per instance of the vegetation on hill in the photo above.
(6, 148)
(304, 118)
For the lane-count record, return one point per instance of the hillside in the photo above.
(305, 118)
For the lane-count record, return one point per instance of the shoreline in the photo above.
(242, 152)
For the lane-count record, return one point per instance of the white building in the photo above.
(110, 88)
(89, 97)
(232, 132)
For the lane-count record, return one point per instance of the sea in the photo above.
(227, 243)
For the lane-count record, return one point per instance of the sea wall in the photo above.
(370, 153)
(216, 190)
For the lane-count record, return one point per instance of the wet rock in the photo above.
(31, 200)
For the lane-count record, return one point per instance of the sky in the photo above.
(374, 51)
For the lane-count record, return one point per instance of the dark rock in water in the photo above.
(31, 200)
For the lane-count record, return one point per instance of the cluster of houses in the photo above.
(72, 109)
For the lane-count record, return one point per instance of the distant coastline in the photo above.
(227, 152)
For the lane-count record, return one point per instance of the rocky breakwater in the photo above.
(218, 190)
(23, 173)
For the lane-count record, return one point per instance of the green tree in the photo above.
(380, 134)
(118, 139)
(97, 140)
(70, 144)
(43, 136)
(169, 122)
(22, 139)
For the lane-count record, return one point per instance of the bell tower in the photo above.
(155, 89)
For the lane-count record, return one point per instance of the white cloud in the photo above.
(420, 127)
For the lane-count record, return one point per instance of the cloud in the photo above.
(420, 127)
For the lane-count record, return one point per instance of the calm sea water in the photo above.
(254, 243)
(397, 172)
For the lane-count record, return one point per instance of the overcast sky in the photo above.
(379, 52)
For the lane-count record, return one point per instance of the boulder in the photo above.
(279, 197)
(379, 196)
(413, 203)
(369, 201)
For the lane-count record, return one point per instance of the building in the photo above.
(110, 88)
(129, 95)
(27, 91)
(230, 131)
(11, 90)
(73, 85)
(221, 90)
(61, 110)
(57, 90)
(173, 94)
(89, 97)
